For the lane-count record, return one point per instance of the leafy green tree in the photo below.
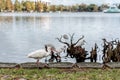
(48, 8)
(3, 5)
(92, 7)
(28, 6)
(74, 8)
(65, 8)
(69, 8)
(82, 7)
(45, 7)
(32, 6)
(60, 8)
(17, 6)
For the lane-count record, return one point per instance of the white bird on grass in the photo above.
(39, 54)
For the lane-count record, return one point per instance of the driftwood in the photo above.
(93, 54)
(110, 53)
(74, 50)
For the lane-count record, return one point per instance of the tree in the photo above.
(39, 6)
(82, 7)
(9, 5)
(48, 8)
(59, 8)
(18, 6)
(53, 8)
(2, 5)
(95, 8)
(28, 6)
(75, 8)
(32, 6)
(23, 5)
(45, 7)
(72, 8)
(92, 7)
(69, 8)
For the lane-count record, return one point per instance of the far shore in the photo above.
(58, 14)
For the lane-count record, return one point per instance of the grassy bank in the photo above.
(60, 74)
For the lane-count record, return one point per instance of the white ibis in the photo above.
(39, 54)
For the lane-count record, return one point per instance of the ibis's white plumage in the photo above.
(39, 54)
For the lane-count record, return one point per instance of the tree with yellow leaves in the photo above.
(39, 6)
(9, 5)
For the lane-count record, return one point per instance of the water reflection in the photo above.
(20, 35)
(4, 22)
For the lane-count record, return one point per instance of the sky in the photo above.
(69, 2)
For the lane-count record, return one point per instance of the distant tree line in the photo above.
(30, 6)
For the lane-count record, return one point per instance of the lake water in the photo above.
(21, 34)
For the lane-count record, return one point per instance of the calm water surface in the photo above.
(22, 33)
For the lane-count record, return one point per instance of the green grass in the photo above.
(60, 74)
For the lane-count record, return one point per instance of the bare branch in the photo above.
(105, 41)
(71, 38)
(115, 42)
(60, 40)
(79, 40)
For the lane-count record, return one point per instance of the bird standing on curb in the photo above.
(39, 54)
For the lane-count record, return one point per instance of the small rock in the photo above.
(22, 79)
(19, 79)
(6, 77)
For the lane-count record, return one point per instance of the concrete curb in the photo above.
(7, 65)
(113, 65)
(62, 65)
(90, 65)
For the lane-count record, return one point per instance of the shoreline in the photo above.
(56, 14)
(61, 65)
